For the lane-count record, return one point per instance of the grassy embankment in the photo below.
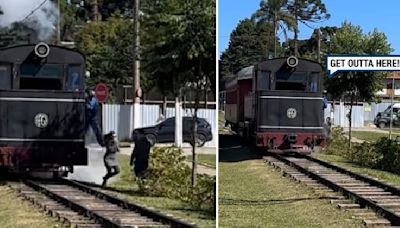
(253, 194)
(15, 212)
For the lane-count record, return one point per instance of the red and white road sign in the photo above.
(101, 92)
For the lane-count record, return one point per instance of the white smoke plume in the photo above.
(43, 20)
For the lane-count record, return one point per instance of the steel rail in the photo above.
(364, 202)
(74, 206)
(165, 219)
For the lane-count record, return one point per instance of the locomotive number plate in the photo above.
(291, 113)
(41, 120)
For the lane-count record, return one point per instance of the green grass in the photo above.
(374, 173)
(125, 187)
(371, 136)
(14, 212)
(208, 160)
(253, 194)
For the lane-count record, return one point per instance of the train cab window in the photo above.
(313, 82)
(263, 80)
(46, 77)
(286, 80)
(74, 78)
(5, 77)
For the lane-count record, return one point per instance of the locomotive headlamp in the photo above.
(42, 50)
(292, 61)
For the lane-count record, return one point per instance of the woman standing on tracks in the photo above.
(110, 157)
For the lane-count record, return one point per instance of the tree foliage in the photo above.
(305, 11)
(273, 11)
(108, 47)
(179, 49)
(357, 86)
(250, 43)
(179, 42)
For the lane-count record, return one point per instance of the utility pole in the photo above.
(59, 23)
(136, 68)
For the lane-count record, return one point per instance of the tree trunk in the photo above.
(275, 22)
(350, 120)
(205, 95)
(194, 140)
(164, 106)
(96, 16)
(296, 49)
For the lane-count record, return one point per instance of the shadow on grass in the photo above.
(234, 149)
(242, 202)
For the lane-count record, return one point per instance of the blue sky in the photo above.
(369, 14)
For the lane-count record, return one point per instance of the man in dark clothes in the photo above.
(92, 108)
(110, 157)
(140, 154)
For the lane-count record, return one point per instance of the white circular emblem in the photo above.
(291, 113)
(41, 120)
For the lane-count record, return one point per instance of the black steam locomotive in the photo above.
(278, 104)
(42, 108)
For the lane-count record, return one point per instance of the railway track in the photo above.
(79, 205)
(375, 202)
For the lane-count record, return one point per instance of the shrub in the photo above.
(384, 154)
(169, 176)
(364, 154)
(338, 142)
(390, 153)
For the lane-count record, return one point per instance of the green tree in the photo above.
(108, 47)
(273, 11)
(357, 86)
(180, 48)
(305, 11)
(249, 43)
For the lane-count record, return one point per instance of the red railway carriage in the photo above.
(236, 89)
(278, 104)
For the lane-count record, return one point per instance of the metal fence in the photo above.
(362, 114)
(119, 118)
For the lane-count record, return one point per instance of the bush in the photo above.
(169, 176)
(383, 154)
(364, 154)
(338, 142)
(390, 154)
